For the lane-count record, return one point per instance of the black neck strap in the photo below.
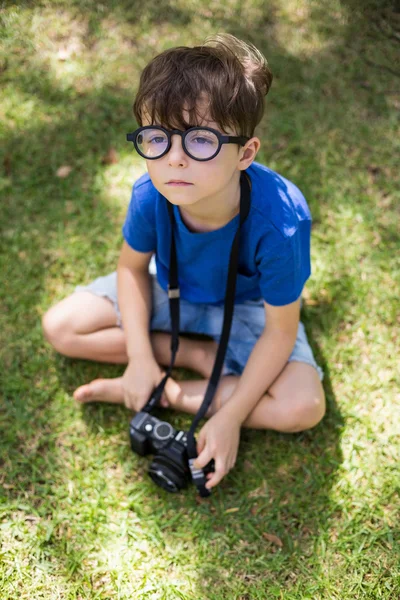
(173, 294)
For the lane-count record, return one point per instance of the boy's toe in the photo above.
(83, 393)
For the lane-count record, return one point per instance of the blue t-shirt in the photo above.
(274, 254)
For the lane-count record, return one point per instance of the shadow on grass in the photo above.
(281, 484)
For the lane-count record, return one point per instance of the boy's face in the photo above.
(206, 179)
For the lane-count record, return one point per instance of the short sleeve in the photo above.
(285, 268)
(139, 229)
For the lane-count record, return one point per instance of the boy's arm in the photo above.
(219, 437)
(134, 299)
(268, 358)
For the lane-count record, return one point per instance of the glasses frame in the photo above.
(222, 139)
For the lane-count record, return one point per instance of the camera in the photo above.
(170, 467)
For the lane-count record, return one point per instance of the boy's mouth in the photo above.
(178, 182)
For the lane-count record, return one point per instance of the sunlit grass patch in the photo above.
(309, 516)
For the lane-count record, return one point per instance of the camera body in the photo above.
(170, 466)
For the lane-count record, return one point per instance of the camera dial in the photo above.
(163, 431)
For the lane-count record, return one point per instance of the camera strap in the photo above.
(174, 295)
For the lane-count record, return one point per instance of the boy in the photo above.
(197, 109)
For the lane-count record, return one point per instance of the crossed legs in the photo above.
(85, 326)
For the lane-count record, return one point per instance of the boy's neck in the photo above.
(213, 213)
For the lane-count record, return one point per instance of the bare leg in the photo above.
(84, 326)
(193, 354)
(295, 400)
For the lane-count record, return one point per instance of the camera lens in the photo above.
(167, 474)
(162, 480)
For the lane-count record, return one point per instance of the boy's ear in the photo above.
(248, 153)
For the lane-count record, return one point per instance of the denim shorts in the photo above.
(247, 323)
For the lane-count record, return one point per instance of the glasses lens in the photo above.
(201, 143)
(152, 142)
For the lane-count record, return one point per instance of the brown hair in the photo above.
(230, 75)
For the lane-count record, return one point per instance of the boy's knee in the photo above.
(307, 412)
(57, 330)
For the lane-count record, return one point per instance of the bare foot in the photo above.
(101, 390)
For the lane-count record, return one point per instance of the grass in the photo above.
(79, 518)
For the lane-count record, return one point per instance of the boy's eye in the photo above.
(159, 139)
(201, 140)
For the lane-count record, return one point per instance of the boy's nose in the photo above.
(176, 154)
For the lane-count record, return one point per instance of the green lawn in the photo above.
(79, 517)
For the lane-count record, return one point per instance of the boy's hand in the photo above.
(141, 376)
(218, 439)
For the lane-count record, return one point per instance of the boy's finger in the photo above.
(129, 402)
(164, 402)
(201, 441)
(216, 476)
(203, 458)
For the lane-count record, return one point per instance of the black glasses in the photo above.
(200, 143)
